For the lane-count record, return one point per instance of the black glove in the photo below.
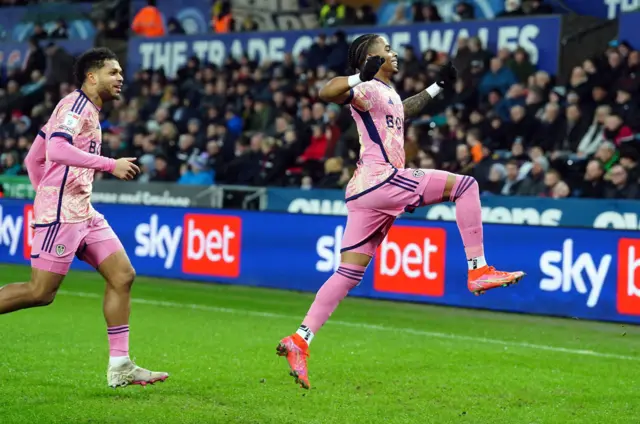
(371, 67)
(446, 75)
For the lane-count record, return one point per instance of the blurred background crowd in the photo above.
(506, 123)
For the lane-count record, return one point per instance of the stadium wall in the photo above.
(580, 273)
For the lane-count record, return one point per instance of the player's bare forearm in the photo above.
(336, 91)
(415, 104)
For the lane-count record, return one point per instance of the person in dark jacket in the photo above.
(619, 186)
(592, 183)
(533, 184)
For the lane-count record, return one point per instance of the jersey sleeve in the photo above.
(360, 97)
(66, 122)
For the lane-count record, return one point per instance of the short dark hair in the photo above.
(359, 49)
(90, 60)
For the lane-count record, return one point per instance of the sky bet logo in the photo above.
(410, 260)
(211, 244)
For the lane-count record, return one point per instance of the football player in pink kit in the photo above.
(381, 188)
(61, 164)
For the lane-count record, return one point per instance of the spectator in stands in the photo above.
(365, 15)
(10, 164)
(148, 21)
(574, 130)
(512, 9)
(174, 27)
(607, 154)
(196, 172)
(627, 108)
(59, 68)
(619, 186)
(496, 179)
(249, 24)
(35, 59)
(551, 179)
(521, 66)
(425, 13)
(539, 7)
(498, 78)
(60, 31)
(38, 32)
(222, 21)
(332, 14)
(561, 190)
(512, 179)
(616, 131)
(534, 183)
(464, 11)
(629, 160)
(593, 184)
(595, 133)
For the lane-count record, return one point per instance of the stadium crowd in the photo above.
(504, 123)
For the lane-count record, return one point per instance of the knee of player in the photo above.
(41, 296)
(124, 278)
(466, 185)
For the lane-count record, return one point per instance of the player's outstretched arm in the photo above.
(338, 90)
(60, 150)
(35, 160)
(415, 104)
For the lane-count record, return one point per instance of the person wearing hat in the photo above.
(197, 172)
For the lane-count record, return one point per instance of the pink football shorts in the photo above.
(55, 245)
(372, 212)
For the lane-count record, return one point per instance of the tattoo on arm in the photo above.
(414, 105)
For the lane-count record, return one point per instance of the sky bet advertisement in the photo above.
(581, 273)
(539, 36)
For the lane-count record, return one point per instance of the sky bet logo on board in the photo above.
(211, 244)
(411, 260)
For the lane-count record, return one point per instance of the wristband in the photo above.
(354, 80)
(433, 90)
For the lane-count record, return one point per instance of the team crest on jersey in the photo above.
(60, 249)
(418, 173)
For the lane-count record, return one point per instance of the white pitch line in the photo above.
(368, 327)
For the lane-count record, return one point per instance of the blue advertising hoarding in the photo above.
(582, 273)
(16, 23)
(536, 211)
(628, 28)
(539, 36)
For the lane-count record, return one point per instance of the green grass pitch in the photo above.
(374, 362)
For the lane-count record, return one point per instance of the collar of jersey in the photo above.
(383, 83)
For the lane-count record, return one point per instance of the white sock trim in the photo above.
(354, 80)
(118, 361)
(433, 90)
(475, 263)
(305, 333)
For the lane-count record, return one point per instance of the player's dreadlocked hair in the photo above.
(91, 60)
(358, 50)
